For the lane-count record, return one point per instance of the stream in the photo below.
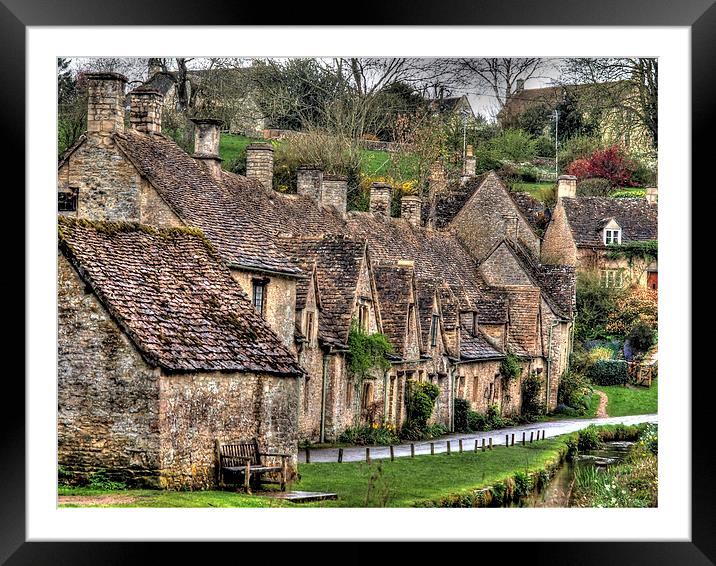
(558, 490)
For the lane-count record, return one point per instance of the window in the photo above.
(67, 200)
(612, 278)
(434, 330)
(612, 237)
(309, 326)
(475, 385)
(367, 394)
(363, 318)
(259, 294)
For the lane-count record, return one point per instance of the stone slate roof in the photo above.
(393, 283)
(173, 296)
(338, 260)
(478, 347)
(200, 201)
(532, 209)
(524, 304)
(587, 217)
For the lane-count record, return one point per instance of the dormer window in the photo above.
(258, 296)
(612, 236)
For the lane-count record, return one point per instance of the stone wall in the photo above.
(335, 192)
(108, 397)
(279, 302)
(595, 259)
(198, 408)
(490, 215)
(109, 186)
(558, 246)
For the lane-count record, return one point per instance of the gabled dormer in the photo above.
(611, 232)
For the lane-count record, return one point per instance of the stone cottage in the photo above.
(588, 232)
(160, 353)
(454, 285)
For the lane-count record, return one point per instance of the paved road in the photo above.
(357, 453)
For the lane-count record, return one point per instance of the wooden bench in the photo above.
(244, 458)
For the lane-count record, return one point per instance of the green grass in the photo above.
(539, 191)
(631, 400)
(401, 483)
(407, 481)
(230, 146)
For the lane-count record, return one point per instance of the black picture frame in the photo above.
(17, 15)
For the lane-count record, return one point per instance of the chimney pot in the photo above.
(105, 103)
(206, 144)
(380, 198)
(259, 163)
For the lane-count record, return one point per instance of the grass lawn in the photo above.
(539, 191)
(230, 146)
(406, 481)
(631, 400)
(401, 483)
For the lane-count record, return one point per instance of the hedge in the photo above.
(609, 372)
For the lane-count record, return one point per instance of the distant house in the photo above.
(457, 106)
(588, 232)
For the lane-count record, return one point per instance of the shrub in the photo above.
(611, 163)
(531, 404)
(578, 147)
(420, 403)
(632, 193)
(513, 145)
(600, 353)
(462, 410)
(510, 367)
(367, 352)
(544, 146)
(99, 480)
(477, 421)
(636, 304)
(572, 394)
(372, 434)
(649, 438)
(594, 187)
(595, 305)
(589, 438)
(641, 336)
(609, 372)
(523, 484)
(579, 168)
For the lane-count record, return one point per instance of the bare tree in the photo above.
(498, 76)
(628, 86)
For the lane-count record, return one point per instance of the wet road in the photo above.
(357, 453)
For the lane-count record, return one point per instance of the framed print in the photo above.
(233, 291)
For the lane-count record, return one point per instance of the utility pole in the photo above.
(556, 144)
(464, 134)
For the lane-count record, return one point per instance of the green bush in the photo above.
(523, 484)
(641, 336)
(544, 146)
(578, 147)
(595, 304)
(510, 367)
(609, 372)
(420, 404)
(462, 410)
(100, 481)
(572, 392)
(513, 145)
(364, 435)
(594, 187)
(532, 407)
(589, 438)
(633, 193)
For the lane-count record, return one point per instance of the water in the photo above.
(558, 490)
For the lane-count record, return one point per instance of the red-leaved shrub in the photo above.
(610, 163)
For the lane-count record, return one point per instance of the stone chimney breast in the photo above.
(566, 186)
(259, 163)
(309, 180)
(411, 208)
(145, 113)
(334, 192)
(105, 103)
(206, 144)
(380, 197)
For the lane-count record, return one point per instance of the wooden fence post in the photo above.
(392, 454)
(308, 455)
(367, 454)
(459, 442)
(476, 444)
(490, 443)
(483, 444)
(513, 439)
(507, 440)
(412, 450)
(340, 455)
(432, 449)
(448, 447)
(532, 433)
(523, 437)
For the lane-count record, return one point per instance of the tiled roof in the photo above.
(448, 204)
(588, 215)
(174, 297)
(524, 304)
(199, 200)
(534, 211)
(477, 347)
(338, 260)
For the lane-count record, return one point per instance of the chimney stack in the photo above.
(652, 195)
(411, 208)
(334, 192)
(469, 166)
(145, 113)
(309, 180)
(206, 144)
(259, 163)
(380, 197)
(105, 103)
(566, 187)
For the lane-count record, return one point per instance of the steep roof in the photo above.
(534, 211)
(393, 283)
(199, 200)
(173, 296)
(588, 215)
(478, 346)
(338, 260)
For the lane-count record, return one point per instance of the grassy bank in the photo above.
(631, 400)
